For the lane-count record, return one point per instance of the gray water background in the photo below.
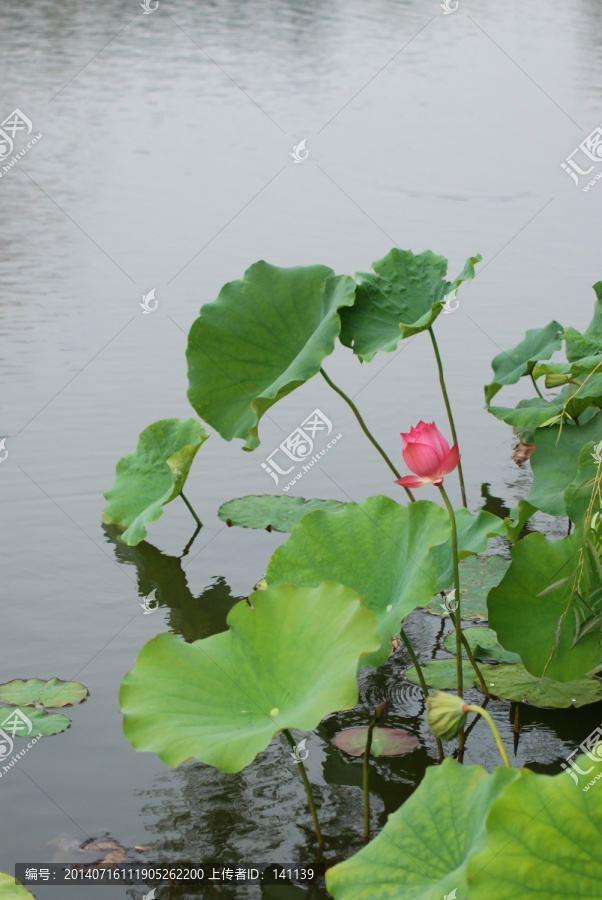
(165, 163)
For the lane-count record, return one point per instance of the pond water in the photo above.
(164, 163)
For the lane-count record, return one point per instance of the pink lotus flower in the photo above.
(428, 455)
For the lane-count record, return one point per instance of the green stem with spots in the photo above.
(365, 428)
(307, 786)
(194, 515)
(457, 617)
(366, 779)
(422, 680)
(449, 411)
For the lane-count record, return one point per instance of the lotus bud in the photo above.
(382, 710)
(552, 380)
(445, 714)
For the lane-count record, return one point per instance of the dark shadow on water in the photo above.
(191, 617)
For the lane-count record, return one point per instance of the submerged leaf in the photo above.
(385, 741)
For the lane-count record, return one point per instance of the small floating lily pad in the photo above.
(484, 644)
(478, 574)
(271, 511)
(512, 682)
(385, 741)
(515, 683)
(27, 722)
(53, 693)
(441, 674)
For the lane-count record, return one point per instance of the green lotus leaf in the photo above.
(271, 511)
(441, 674)
(513, 682)
(590, 342)
(41, 722)
(530, 610)
(53, 693)
(404, 297)
(153, 475)
(583, 366)
(473, 536)
(578, 494)
(510, 365)
(543, 842)
(288, 659)
(10, 890)
(508, 681)
(265, 335)
(378, 547)
(519, 516)
(484, 644)
(478, 574)
(537, 412)
(385, 741)
(424, 849)
(555, 462)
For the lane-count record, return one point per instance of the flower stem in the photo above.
(483, 712)
(365, 428)
(457, 613)
(536, 387)
(366, 779)
(422, 681)
(194, 515)
(308, 791)
(474, 664)
(449, 412)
